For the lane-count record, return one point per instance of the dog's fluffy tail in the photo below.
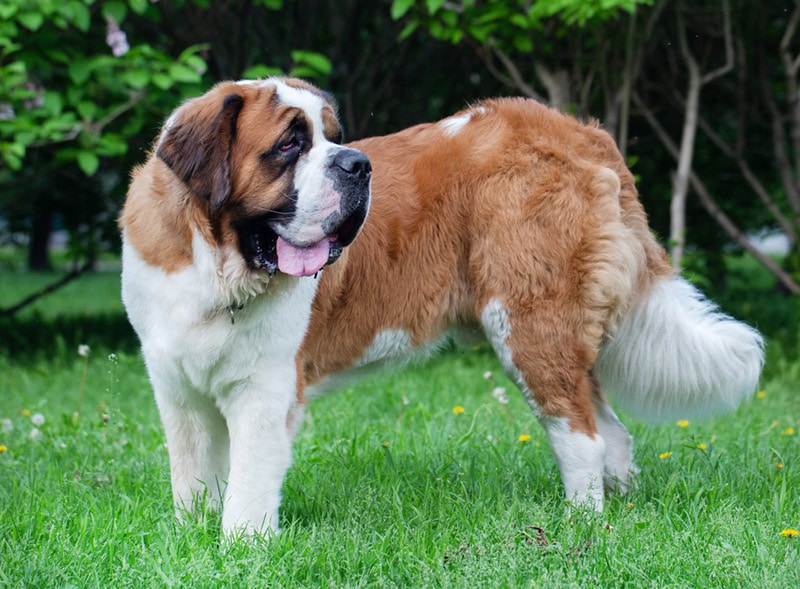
(674, 356)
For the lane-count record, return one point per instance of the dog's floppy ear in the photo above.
(198, 149)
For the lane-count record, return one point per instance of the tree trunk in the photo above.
(680, 188)
(38, 250)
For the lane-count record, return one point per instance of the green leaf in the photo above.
(182, 73)
(136, 78)
(31, 20)
(88, 162)
(8, 10)
(87, 110)
(53, 103)
(261, 71)
(22, 140)
(271, 4)
(433, 6)
(196, 63)
(81, 17)
(115, 10)
(111, 145)
(519, 20)
(523, 43)
(315, 61)
(139, 6)
(407, 31)
(162, 81)
(12, 160)
(400, 8)
(79, 71)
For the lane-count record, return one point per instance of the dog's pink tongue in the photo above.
(302, 261)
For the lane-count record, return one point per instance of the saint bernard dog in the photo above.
(264, 261)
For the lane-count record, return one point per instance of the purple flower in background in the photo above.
(116, 39)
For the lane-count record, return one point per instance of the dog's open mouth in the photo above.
(271, 252)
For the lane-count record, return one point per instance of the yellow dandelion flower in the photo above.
(26, 412)
(702, 447)
(683, 423)
(386, 443)
(779, 465)
(524, 438)
(789, 533)
(665, 455)
(761, 394)
(458, 410)
(788, 431)
(3, 448)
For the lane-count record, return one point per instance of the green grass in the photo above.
(389, 487)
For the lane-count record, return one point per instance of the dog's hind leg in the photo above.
(620, 470)
(555, 378)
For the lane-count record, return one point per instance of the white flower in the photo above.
(35, 434)
(499, 393)
(6, 425)
(37, 419)
(487, 375)
(84, 350)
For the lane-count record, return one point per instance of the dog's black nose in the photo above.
(353, 162)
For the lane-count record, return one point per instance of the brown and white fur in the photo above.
(508, 217)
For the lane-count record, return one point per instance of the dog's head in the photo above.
(264, 157)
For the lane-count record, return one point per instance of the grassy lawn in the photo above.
(390, 486)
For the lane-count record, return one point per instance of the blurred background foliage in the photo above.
(86, 84)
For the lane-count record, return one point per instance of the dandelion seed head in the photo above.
(37, 419)
(499, 393)
(6, 425)
(84, 350)
(487, 375)
(35, 433)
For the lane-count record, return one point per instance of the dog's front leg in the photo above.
(197, 441)
(260, 455)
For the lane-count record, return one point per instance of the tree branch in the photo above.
(515, 74)
(752, 180)
(63, 281)
(728, 65)
(711, 206)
